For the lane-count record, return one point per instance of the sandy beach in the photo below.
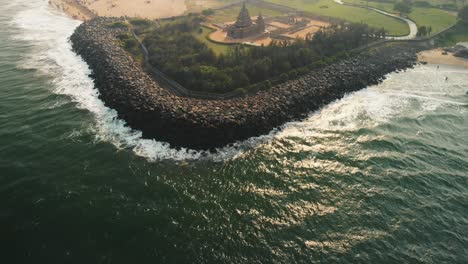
(435, 56)
(137, 8)
(73, 8)
(150, 9)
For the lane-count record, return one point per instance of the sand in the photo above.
(151, 9)
(435, 56)
(73, 8)
(312, 27)
(221, 36)
(278, 24)
(137, 8)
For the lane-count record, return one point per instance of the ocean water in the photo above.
(380, 176)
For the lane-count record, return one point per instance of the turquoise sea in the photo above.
(380, 176)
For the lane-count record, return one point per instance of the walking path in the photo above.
(412, 26)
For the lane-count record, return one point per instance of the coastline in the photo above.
(209, 124)
(86, 9)
(73, 9)
(436, 56)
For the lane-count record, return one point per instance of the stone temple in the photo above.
(245, 27)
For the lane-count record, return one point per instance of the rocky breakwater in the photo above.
(207, 124)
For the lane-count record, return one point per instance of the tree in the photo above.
(208, 12)
(381, 33)
(463, 14)
(422, 31)
(402, 7)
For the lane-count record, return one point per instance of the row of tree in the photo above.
(463, 14)
(406, 6)
(176, 51)
(424, 31)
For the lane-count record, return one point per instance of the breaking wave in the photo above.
(48, 31)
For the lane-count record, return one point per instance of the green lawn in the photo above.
(353, 14)
(196, 5)
(438, 19)
(230, 14)
(217, 48)
(436, 3)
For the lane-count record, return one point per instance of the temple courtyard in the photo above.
(262, 29)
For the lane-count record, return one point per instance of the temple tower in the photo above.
(244, 27)
(243, 19)
(260, 22)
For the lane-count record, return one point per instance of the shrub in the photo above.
(140, 22)
(402, 7)
(208, 12)
(175, 50)
(451, 7)
(118, 24)
(284, 77)
(422, 4)
(240, 91)
(463, 14)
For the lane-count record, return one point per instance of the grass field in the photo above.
(197, 6)
(352, 14)
(436, 3)
(217, 48)
(438, 19)
(230, 14)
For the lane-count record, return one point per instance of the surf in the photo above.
(48, 30)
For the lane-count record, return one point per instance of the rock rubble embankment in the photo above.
(207, 124)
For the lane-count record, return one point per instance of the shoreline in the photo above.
(73, 9)
(436, 57)
(152, 9)
(208, 124)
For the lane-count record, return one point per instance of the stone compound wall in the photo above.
(240, 33)
(207, 124)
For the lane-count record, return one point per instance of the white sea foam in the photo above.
(48, 31)
(408, 94)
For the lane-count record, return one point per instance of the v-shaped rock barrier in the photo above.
(207, 124)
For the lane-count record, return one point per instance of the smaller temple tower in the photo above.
(244, 27)
(260, 23)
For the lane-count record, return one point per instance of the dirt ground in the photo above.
(150, 9)
(436, 56)
(221, 36)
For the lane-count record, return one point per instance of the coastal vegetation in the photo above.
(202, 35)
(463, 14)
(129, 43)
(402, 7)
(459, 33)
(167, 115)
(175, 50)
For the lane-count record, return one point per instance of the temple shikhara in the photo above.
(244, 27)
(285, 26)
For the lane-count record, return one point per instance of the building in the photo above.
(244, 27)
